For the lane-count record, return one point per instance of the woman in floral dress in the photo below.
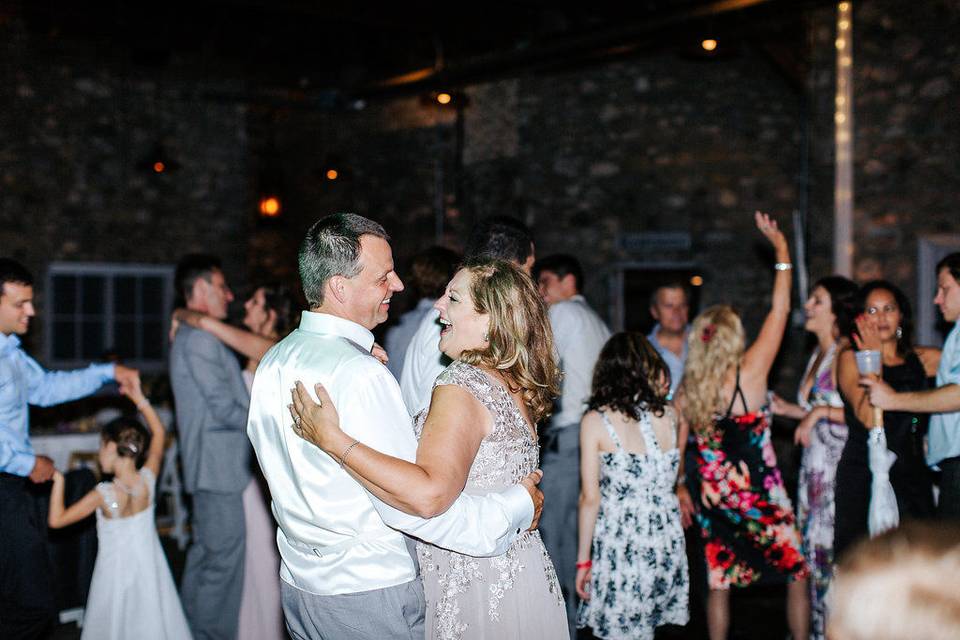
(631, 557)
(822, 431)
(478, 436)
(745, 516)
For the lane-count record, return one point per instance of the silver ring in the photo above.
(296, 421)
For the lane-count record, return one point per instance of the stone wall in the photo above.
(76, 125)
(906, 83)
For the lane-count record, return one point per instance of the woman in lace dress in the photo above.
(822, 431)
(477, 436)
(132, 594)
(631, 557)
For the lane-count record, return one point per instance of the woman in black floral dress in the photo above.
(745, 516)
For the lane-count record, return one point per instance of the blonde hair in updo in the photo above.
(520, 338)
(715, 344)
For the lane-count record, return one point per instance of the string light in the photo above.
(159, 167)
(444, 98)
(709, 44)
(843, 142)
(332, 174)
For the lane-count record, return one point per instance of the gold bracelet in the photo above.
(346, 452)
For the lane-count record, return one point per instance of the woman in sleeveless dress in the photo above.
(132, 594)
(631, 556)
(886, 326)
(745, 516)
(478, 436)
(822, 432)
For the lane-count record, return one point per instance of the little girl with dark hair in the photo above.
(631, 557)
(132, 594)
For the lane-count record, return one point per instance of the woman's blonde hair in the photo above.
(901, 585)
(520, 338)
(715, 344)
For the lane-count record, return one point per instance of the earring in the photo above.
(899, 332)
(486, 337)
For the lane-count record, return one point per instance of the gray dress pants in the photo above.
(395, 612)
(560, 461)
(213, 575)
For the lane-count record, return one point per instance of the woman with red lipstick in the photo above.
(885, 325)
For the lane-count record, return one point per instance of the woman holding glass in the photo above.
(885, 325)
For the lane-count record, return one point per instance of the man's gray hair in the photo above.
(332, 248)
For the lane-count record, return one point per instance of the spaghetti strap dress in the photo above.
(639, 576)
(745, 516)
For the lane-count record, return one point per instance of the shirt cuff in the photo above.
(519, 507)
(107, 372)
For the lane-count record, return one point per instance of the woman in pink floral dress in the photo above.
(747, 522)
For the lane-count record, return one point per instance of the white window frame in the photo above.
(110, 271)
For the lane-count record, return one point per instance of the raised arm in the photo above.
(58, 516)
(760, 356)
(240, 340)
(158, 433)
(451, 438)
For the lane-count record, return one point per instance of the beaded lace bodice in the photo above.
(510, 452)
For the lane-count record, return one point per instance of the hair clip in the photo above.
(708, 333)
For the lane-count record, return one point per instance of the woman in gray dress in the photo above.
(478, 436)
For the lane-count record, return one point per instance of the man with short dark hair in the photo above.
(943, 434)
(211, 408)
(27, 606)
(579, 334)
(346, 569)
(499, 237)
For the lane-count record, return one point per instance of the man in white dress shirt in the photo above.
(579, 335)
(346, 569)
(499, 237)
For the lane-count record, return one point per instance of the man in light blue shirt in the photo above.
(27, 607)
(943, 435)
(671, 309)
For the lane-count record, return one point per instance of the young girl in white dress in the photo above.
(132, 594)
(631, 557)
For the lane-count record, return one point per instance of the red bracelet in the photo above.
(586, 564)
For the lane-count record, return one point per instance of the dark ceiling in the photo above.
(363, 49)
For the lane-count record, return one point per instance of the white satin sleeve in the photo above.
(372, 411)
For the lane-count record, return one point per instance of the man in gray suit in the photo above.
(211, 404)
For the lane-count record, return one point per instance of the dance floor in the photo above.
(758, 613)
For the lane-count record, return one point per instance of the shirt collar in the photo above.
(312, 322)
(652, 337)
(9, 343)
